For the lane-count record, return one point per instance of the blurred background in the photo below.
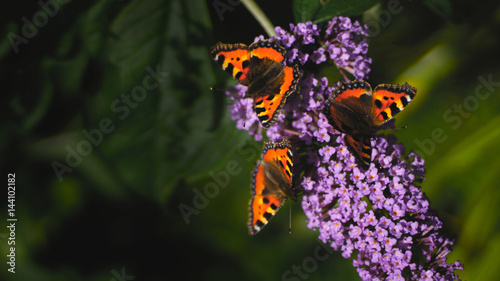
(114, 121)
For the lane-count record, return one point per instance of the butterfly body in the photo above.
(357, 111)
(266, 77)
(260, 67)
(271, 185)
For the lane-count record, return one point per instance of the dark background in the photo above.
(116, 209)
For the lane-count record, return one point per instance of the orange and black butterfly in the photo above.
(271, 184)
(357, 112)
(260, 67)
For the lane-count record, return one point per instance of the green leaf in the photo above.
(467, 155)
(343, 8)
(319, 10)
(172, 131)
(306, 10)
(440, 7)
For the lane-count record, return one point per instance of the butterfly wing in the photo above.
(361, 148)
(348, 111)
(266, 49)
(281, 154)
(271, 81)
(260, 67)
(234, 59)
(349, 108)
(260, 217)
(272, 182)
(389, 100)
(269, 103)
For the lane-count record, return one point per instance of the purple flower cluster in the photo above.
(378, 217)
(243, 112)
(343, 42)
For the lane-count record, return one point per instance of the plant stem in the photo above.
(343, 74)
(260, 17)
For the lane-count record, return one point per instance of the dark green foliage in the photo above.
(129, 167)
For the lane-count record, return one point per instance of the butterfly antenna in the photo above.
(290, 220)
